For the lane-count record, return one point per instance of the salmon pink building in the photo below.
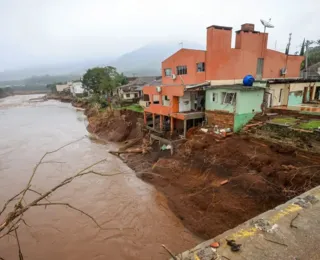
(179, 101)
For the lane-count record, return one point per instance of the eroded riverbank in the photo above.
(137, 214)
(213, 184)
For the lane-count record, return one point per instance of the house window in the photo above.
(156, 99)
(165, 101)
(182, 70)
(214, 97)
(127, 95)
(229, 98)
(200, 67)
(135, 95)
(146, 97)
(167, 72)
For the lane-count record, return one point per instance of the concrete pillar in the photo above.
(154, 121)
(145, 118)
(171, 125)
(161, 122)
(184, 128)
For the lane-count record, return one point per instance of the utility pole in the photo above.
(287, 52)
(308, 43)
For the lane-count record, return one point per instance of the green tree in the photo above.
(103, 80)
(52, 87)
(313, 53)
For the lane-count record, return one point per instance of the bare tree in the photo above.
(14, 218)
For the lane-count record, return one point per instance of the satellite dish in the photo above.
(267, 24)
(158, 89)
(173, 76)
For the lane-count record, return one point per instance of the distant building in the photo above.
(63, 87)
(289, 92)
(77, 88)
(133, 90)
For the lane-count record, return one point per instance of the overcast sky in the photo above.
(38, 32)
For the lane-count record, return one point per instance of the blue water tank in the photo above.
(248, 80)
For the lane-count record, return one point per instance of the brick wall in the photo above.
(220, 118)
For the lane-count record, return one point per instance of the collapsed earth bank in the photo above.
(211, 185)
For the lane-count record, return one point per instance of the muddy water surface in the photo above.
(135, 216)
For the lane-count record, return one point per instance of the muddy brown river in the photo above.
(135, 217)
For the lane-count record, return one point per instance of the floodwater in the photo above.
(135, 217)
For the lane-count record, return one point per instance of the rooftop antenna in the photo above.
(181, 44)
(266, 24)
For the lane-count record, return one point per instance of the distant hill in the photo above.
(37, 82)
(68, 68)
(146, 61)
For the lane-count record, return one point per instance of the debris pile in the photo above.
(213, 185)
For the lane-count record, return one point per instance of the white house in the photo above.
(77, 88)
(63, 87)
(133, 90)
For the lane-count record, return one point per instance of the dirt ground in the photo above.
(115, 126)
(213, 186)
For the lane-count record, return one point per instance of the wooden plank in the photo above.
(154, 130)
(162, 140)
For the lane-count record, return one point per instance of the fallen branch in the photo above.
(129, 144)
(40, 162)
(11, 222)
(170, 253)
(70, 206)
(19, 247)
(275, 242)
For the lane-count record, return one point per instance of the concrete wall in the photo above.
(217, 105)
(248, 103)
(172, 92)
(131, 95)
(185, 102)
(275, 90)
(186, 57)
(295, 98)
(220, 118)
(225, 63)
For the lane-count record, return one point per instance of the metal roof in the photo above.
(237, 87)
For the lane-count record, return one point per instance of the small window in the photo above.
(200, 67)
(167, 72)
(214, 97)
(135, 95)
(166, 98)
(228, 98)
(127, 95)
(182, 70)
(156, 99)
(146, 97)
